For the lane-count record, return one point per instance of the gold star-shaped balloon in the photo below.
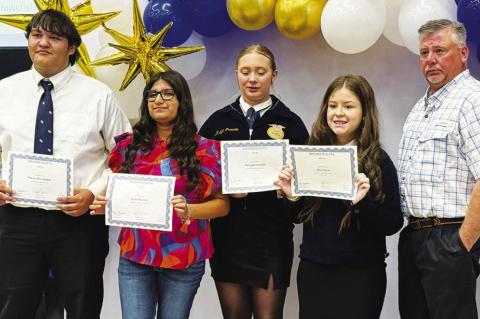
(142, 52)
(82, 16)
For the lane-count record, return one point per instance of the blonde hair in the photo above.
(260, 49)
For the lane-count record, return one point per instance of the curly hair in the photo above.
(367, 137)
(182, 144)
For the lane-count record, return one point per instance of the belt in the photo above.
(418, 223)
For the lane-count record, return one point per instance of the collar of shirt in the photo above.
(58, 80)
(351, 143)
(261, 107)
(436, 99)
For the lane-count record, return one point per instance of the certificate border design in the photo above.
(154, 178)
(353, 160)
(44, 158)
(228, 144)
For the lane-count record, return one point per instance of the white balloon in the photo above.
(73, 3)
(414, 13)
(391, 31)
(190, 65)
(121, 23)
(353, 26)
(142, 4)
(112, 75)
(104, 38)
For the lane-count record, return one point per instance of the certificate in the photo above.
(140, 201)
(324, 171)
(252, 166)
(38, 180)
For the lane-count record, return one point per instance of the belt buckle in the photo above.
(437, 221)
(416, 224)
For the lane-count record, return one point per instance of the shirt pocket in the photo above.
(71, 127)
(433, 141)
(433, 150)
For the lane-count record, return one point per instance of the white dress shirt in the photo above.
(260, 108)
(86, 119)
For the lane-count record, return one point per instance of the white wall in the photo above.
(305, 69)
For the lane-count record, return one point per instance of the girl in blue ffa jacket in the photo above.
(253, 243)
(342, 268)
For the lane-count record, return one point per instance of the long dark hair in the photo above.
(367, 137)
(182, 144)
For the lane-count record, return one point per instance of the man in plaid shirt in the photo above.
(439, 169)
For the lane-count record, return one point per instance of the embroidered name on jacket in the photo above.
(227, 129)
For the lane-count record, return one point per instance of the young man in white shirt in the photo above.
(86, 117)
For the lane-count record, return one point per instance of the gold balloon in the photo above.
(81, 15)
(142, 52)
(299, 19)
(251, 14)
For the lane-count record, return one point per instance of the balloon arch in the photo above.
(397, 20)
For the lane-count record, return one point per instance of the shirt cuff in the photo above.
(99, 187)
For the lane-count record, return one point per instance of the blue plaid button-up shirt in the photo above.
(439, 153)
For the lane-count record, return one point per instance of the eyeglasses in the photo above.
(166, 95)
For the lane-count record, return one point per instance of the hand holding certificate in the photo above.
(140, 201)
(324, 171)
(251, 166)
(38, 180)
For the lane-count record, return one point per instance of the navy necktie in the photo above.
(252, 116)
(43, 143)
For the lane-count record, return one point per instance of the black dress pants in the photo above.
(32, 241)
(340, 291)
(51, 305)
(437, 275)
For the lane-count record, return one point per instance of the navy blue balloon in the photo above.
(158, 13)
(213, 26)
(210, 17)
(478, 53)
(468, 12)
(203, 8)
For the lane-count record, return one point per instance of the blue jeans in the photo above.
(142, 288)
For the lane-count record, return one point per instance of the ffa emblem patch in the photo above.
(275, 131)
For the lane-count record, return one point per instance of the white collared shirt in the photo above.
(439, 154)
(86, 119)
(260, 108)
(352, 143)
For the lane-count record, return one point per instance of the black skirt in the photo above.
(252, 244)
(341, 291)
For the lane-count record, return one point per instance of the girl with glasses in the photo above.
(159, 272)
